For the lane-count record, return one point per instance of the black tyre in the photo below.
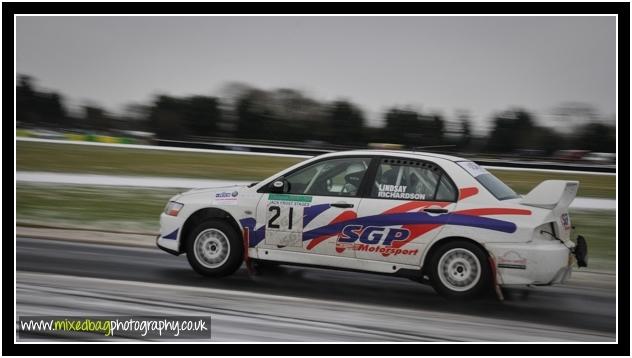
(214, 249)
(460, 270)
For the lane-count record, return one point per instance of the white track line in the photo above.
(166, 182)
(491, 167)
(122, 180)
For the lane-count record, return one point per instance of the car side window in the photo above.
(334, 177)
(446, 191)
(411, 180)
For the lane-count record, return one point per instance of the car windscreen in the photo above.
(494, 185)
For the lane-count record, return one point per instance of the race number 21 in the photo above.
(285, 218)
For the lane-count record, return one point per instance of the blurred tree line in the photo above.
(245, 112)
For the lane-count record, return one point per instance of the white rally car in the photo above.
(435, 218)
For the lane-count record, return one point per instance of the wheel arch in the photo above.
(438, 243)
(204, 214)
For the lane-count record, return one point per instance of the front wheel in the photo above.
(460, 270)
(214, 249)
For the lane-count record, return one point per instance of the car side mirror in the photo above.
(279, 186)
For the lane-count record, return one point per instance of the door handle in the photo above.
(341, 205)
(436, 211)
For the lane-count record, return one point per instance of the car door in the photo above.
(316, 201)
(404, 210)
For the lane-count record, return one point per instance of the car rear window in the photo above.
(494, 185)
(407, 179)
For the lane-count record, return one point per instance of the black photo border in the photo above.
(9, 347)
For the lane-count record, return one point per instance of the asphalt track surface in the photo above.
(295, 304)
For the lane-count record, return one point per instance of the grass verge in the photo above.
(75, 158)
(596, 186)
(599, 229)
(91, 207)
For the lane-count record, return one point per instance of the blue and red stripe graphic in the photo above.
(409, 215)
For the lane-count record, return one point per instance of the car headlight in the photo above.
(173, 208)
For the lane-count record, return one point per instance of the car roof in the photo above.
(397, 153)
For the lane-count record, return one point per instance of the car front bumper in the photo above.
(166, 249)
(169, 237)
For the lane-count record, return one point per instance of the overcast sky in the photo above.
(444, 64)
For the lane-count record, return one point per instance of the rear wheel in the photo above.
(214, 249)
(460, 270)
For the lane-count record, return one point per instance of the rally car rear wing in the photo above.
(556, 196)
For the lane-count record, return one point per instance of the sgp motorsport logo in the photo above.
(373, 239)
